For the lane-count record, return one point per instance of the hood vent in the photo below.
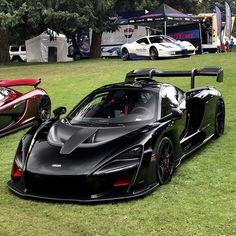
(70, 137)
(92, 138)
(76, 139)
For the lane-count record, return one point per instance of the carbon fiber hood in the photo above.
(71, 150)
(70, 137)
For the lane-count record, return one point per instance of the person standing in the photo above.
(231, 44)
(226, 46)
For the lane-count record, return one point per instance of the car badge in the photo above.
(56, 165)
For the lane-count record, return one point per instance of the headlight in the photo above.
(16, 172)
(131, 154)
(127, 160)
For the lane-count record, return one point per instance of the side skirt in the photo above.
(18, 128)
(191, 150)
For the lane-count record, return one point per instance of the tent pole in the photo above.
(165, 27)
(200, 31)
(128, 33)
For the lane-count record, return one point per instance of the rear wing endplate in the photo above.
(149, 73)
(20, 82)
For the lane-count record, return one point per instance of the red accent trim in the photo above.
(123, 180)
(126, 110)
(34, 94)
(20, 82)
(113, 101)
(16, 172)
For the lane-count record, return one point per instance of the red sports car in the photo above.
(19, 110)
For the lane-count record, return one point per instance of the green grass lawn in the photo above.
(200, 199)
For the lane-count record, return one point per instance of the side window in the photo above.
(23, 48)
(171, 97)
(14, 48)
(143, 40)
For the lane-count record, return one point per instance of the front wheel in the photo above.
(153, 54)
(219, 118)
(44, 109)
(165, 161)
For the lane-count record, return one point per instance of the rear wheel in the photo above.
(77, 57)
(44, 109)
(165, 161)
(125, 54)
(153, 53)
(219, 118)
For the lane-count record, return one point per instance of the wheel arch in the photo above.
(154, 48)
(16, 57)
(44, 96)
(217, 131)
(124, 48)
(173, 135)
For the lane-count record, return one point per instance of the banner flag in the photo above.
(218, 18)
(227, 20)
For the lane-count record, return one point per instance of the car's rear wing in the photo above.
(20, 82)
(149, 73)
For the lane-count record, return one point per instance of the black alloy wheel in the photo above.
(165, 161)
(219, 118)
(44, 109)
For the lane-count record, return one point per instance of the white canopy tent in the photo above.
(42, 49)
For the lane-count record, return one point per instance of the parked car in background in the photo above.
(156, 46)
(20, 110)
(17, 53)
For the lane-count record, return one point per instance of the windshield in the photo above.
(161, 39)
(116, 106)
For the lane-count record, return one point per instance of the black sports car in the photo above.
(119, 142)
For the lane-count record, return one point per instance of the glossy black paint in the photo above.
(91, 163)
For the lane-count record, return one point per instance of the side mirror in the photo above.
(59, 111)
(176, 113)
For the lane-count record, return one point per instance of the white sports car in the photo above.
(156, 46)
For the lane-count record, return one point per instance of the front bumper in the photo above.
(115, 194)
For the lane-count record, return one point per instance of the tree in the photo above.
(127, 5)
(8, 18)
(59, 15)
(103, 9)
(66, 17)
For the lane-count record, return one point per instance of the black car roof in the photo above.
(139, 84)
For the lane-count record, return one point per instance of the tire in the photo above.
(77, 57)
(125, 54)
(165, 161)
(219, 118)
(16, 59)
(153, 53)
(44, 109)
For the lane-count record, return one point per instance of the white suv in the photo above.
(17, 53)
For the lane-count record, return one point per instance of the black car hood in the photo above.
(70, 137)
(77, 150)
